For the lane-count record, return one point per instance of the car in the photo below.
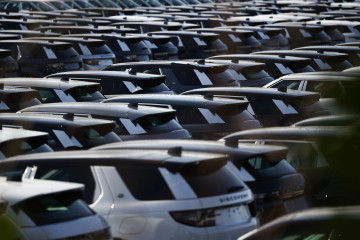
(58, 90)
(40, 58)
(204, 117)
(275, 183)
(94, 53)
(16, 141)
(152, 193)
(350, 50)
(150, 26)
(131, 121)
(320, 223)
(114, 83)
(182, 75)
(333, 28)
(13, 99)
(127, 48)
(331, 120)
(21, 6)
(270, 38)
(271, 107)
(320, 61)
(66, 132)
(236, 40)
(333, 87)
(195, 45)
(329, 171)
(42, 209)
(276, 66)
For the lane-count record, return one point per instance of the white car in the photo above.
(45, 210)
(153, 194)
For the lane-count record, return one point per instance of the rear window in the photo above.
(288, 84)
(159, 123)
(222, 181)
(145, 183)
(325, 88)
(86, 94)
(54, 208)
(188, 77)
(17, 147)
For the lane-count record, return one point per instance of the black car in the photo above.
(317, 223)
(127, 48)
(276, 66)
(58, 90)
(272, 107)
(117, 82)
(277, 187)
(66, 132)
(132, 121)
(183, 75)
(195, 45)
(205, 118)
(320, 61)
(40, 58)
(13, 99)
(94, 53)
(16, 141)
(323, 154)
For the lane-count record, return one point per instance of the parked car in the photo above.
(322, 223)
(276, 66)
(131, 121)
(182, 75)
(16, 141)
(195, 45)
(66, 132)
(43, 209)
(94, 53)
(127, 48)
(152, 193)
(315, 152)
(40, 58)
(21, 6)
(205, 118)
(353, 52)
(278, 189)
(13, 99)
(320, 61)
(58, 90)
(272, 107)
(119, 82)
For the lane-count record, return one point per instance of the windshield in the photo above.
(18, 147)
(159, 123)
(54, 208)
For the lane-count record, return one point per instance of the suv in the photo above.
(271, 107)
(40, 58)
(15, 141)
(58, 90)
(42, 209)
(276, 66)
(205, 118)
(116, 82)
(152, 194)
(131, 120)
(183, 75)
(277, 187)
(65, 132)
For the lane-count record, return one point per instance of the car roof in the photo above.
(330, 120)
(292, 133)
(123, 110)
(49, 44)
(10, 133)
(47, 83)
(178, 100)
(16, 192)
(243, 150)
(174, 159)
(52, 121)
(261, 57)
(322, 76)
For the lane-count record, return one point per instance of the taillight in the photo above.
(196, 218)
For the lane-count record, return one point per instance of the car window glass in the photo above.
(235, 38)
(288, 84)
(84, 49)
(199, 42)
(284, 108)
(78, 174)
(124, 47)
(186, 77)
(326, 89)
(188, 115)
(83, 94)
(131, 87)
(283, 69)
(66, 140)
(48, 96)
(211, 117)
(131, 127)
(159, 123)
(321, 64)
(145, 183)
(204, 79)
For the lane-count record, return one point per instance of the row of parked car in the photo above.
(164, 120)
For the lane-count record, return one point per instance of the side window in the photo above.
(288, 84)
(78, 174)
(326, 89)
